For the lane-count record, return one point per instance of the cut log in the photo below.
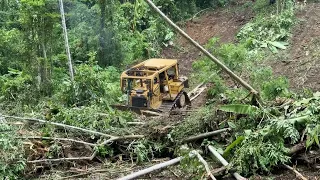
(194, 96)
(204, 135)
(151, 169)
(296, 148)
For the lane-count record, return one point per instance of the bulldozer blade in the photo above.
(127, 108)
(137, 110)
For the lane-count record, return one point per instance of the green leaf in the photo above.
(232, 145)
(169, 36)
(273, 49)
(300, 119)
(277, 44)
(309, 141)
(264, 45)
(247, 132)
(304, 101)
(316, 139)
(316, 94)
(232, 125)
(239, 109)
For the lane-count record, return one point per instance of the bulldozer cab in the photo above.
(150, 83)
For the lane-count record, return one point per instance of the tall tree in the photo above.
(102, 36)
(65, 34)
(38, 22)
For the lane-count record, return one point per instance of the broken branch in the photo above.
(299, 175)
(58, 139)
(136, 123)
(60, 159)
(204, 163)
(93, 154)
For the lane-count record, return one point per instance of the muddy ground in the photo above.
(301, 63)
(224, 24)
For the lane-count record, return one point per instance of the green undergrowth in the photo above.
(268, 31)
(261, 137)
(83, 103)
(201, 121)
(11, 164)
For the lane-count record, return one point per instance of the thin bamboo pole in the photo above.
(151, 169)
(65, 33)
(224, 162)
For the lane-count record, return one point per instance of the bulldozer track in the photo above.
(166, 107)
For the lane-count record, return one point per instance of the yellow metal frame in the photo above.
(149, 70)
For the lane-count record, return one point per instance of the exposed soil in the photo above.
(302, 64)
(283, 174)
(223, 23)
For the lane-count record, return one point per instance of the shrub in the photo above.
(92, 117)
(267, 30)
(92, 84)
(12, 162)
(270, 86)
(17, 86)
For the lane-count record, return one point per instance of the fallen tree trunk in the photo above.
(112, 137)
(151, 169)
(296, 148)
(224, 162)
(204, 135)
(60, 125)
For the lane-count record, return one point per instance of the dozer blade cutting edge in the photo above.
(136, 109)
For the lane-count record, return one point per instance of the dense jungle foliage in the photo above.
(104, 36)
(107, 36)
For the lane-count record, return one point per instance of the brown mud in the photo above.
(223, 24)
(301, 63)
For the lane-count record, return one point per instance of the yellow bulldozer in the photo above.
(154, 85)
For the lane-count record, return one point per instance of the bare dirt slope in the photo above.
(302, 64)
(222, 23)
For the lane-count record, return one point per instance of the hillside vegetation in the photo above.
(53, 126)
